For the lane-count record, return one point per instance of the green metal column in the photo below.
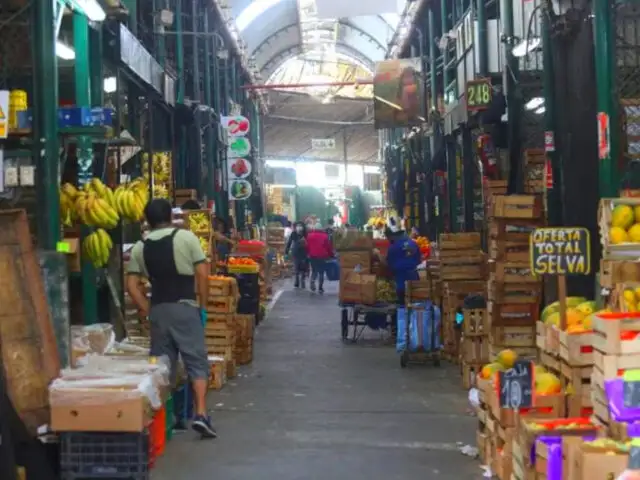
(179, 52)
(554, 195)
(132, 6)
(483, 40)
(605, 69)
(160, 42)
(84, 152)
(45, 122)
(445, 53)
(215, 73)
(211, 139)
(433, 74)
(96, 63)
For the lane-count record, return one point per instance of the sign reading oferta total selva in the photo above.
(560, 251)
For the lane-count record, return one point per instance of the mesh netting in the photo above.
(627, 76)
(15, 45)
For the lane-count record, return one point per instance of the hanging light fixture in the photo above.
(64, 51)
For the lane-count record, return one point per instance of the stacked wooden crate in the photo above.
(534, 170)
(183, 195)
(244, 327)
(615, 350)
(220, 332)
(474, 351)
(514, 294)
(462, 272)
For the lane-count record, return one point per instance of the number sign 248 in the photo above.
(478, 94)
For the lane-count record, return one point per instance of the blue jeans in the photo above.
(317, 270)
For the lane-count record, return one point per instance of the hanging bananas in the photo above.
(96, 248)
(131, 199)
(161, 165)
(92, 205)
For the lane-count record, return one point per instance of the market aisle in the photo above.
(313, 408)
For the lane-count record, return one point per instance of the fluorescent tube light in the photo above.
(92, 9)
(110, 84)
(525, 47)
(534, 103)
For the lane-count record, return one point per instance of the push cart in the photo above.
(354, 316)
(419, 300)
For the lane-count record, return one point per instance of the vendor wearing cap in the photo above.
(403, 257)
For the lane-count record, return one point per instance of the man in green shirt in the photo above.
(173, 261)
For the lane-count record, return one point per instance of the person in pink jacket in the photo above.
(319, 250)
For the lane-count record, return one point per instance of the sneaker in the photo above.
(312, 287)
(202, 425)
(320, 290)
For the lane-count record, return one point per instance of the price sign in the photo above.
(560, 251)
(479, 94)
(634, 455)
(515, 386)
(631, 389)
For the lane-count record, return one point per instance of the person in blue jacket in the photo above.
(403, 258)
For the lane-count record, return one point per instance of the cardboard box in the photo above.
(351, 260)
(570, 450)
(126, 415)
(74, 262)
(593, 462)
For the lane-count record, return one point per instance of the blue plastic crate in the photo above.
(85, 117)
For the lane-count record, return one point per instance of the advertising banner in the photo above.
(398, 94)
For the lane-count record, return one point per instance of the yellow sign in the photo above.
(4, 108)
(479, 94)
(2, 115)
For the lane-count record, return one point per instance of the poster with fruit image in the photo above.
(398, 97)
(239, 168)
(236, 125)
(239, 189)
(239, 147)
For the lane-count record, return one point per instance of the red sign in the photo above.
(604, 139)
(548, 174)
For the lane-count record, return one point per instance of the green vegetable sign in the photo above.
(239, 147)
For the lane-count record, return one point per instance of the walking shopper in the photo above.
(173, 261)
(297, 246)
(320, 250)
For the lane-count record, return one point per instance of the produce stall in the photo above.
(574, 364)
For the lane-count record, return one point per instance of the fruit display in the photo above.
(625, 224)
(377, 223)
(199, 222)
(162, 165)
(425, 247)
(580, 312)
(386, 291)
(96, 247)
(630, 299)
(242, 261)
(93, 205)
(546, 383)
(204, 243)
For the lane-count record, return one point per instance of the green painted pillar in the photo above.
(208, 100)
(445, 54)
(215, 74)
(84, 152)
(430, 46)
(195, 51)
(483, 40)
(159, 40)
(605, 69)
(179, 51)
(45, 123)
(555, 212)
(132, 6)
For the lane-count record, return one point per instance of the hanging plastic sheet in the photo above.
(424, 328)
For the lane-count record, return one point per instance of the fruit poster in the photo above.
(239, 170)
(236, 126)
(560, 251)
(398, 94)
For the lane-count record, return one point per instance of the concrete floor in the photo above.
(311, 407)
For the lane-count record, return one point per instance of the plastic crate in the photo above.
(158, 434)
(98, 455)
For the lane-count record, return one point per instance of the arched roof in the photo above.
(272, 33)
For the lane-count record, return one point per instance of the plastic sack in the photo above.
(101, 391)
(100, 336)
(615, 397)
(554, 458)
(421, 326)
(332, 269)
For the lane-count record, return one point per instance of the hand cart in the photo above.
(420, 291)
(354, 315)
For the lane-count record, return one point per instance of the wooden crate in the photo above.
(244, 327)
(475, 351)
(528, 353)
(541, 336)
(459, 241)
(203, 228)
(476, 322)
(482, 434)
(470, 373)
(514, 293)
(517, 206)
(623, 251)
(511, 272)
(418, 291)
(223, 288)
(222, 318)
(535, 156)
(217, 373)
(613, 272)
(608, 335)
(507, 337)
(509, 250)
(219, 335)
(513, 314)
(463, 272)
(576, 349)
(222, 304)
(611, 366)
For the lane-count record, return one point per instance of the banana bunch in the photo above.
(68, 195)
(198, 222)
(160, 191)
(94, 205)
(96, 248)
(130, 199)
(161, 165)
